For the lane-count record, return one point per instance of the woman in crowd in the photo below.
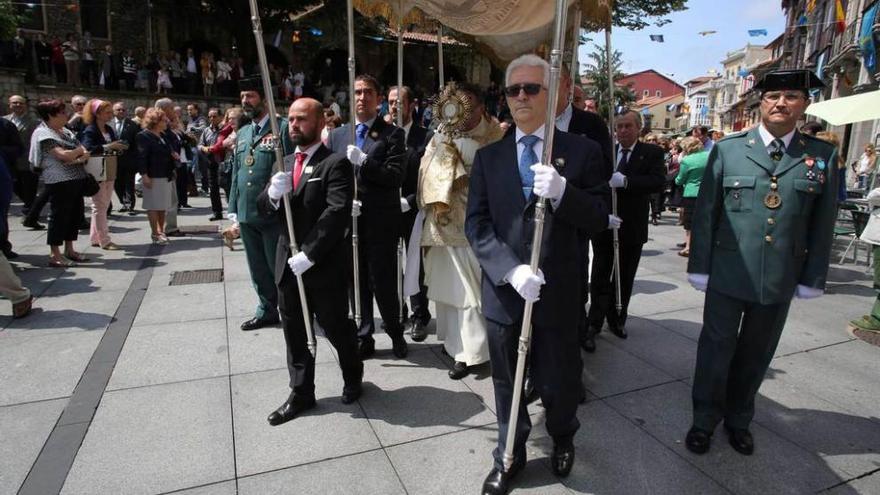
(55, 150)
(156, 166)
(834, 139)
(99, 139)
(690, 174)
(331, 122)
(70, 50)
(867, 166)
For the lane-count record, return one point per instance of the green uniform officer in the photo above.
(762, 234)
(252, 167)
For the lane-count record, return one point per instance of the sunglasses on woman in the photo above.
(531, 89)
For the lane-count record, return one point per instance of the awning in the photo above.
(849, 109)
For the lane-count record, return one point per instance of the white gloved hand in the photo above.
(355, 155)
(699, 281)
(548, 183)
(280, 185)
(618, 180)
(299, 263)
(404, 205)
(614, 222)
(527, 284)
(806, 292)
(355, 208)
(232, 217)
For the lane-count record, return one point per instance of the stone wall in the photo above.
(128, 24)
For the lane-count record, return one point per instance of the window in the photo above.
(95, 17)
(33, 17)
(666, 123)
(659, 93)
(645, 93)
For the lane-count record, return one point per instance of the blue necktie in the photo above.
(526, 160)
(361, 135)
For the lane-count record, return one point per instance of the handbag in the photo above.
(90, 186)
(96, 169)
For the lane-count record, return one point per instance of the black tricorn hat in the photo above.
(778, 80)
(252, 83)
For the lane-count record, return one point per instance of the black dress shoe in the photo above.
(367, 347)
(498, 482)
(123, 209)
(215, 217)
(698, 441)
(681, 245)
(562, 459)
(418, 332)
(459, 370)
(588, 344)
(351, 395)
(256, 323)
(10, 255)
(741, 440)
(291, 408)
(619, 331)
(175, 233)
(33, 225)
(398, 346)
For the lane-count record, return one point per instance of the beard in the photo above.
(250, 111)
(303, 138)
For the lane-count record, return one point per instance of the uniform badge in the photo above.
(751, 141)
(821, 178)
(811, 175)
(249, 160)
(821, 164)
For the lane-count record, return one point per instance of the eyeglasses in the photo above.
(531, 89)
(789, 96)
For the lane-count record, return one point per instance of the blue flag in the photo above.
(657, 37)
(757, 32)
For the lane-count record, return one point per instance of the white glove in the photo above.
(232, 217)
(527, 284)
(355, 155)
(280, 185)
(699, 281)
(548, 183)
(404, 205)
(617, 180)
(805, 292)
(299, 263)
(355, 208)
(614, 222)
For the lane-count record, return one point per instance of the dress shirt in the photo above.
(309, 152)
(539, 152)
(563, 120)
(768, 138)
(629, 153)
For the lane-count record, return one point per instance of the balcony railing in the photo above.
(846, 40)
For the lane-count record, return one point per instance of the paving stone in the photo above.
(241, 299)
(24, 429)
(662, 293)
(181, 303)
(777, 466)
(223, 488)
(172, 352)
(43, 367)
(364, 474)
(330, 430)
(662, 348)
(869, 485)
(83, 312)
(264, 349)
(414, 398)
(157, 439)
(611, 370)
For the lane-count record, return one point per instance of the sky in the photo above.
(684, 53)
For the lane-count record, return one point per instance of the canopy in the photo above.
(849, 109)
(507, 28)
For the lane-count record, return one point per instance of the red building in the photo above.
(650, 83)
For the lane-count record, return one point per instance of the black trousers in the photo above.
(736, 346)
(419, 301)
(182, 184)
(554, 369)
(329, 306)
(25, 187)
(33, 214)
(584, 279)
(66, 204)
(213, 178)
(602, 289)
(124, 186)
(377, 256)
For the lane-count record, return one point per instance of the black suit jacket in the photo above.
(321, 207)
(130, 130)
(594, 127)
(645, 174)
(416, 142)
(500, 225)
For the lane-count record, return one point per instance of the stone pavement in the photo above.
(182, 395)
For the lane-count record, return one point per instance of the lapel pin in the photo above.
(374, 135)
(559, 162)
(308, 170)
(751, 141)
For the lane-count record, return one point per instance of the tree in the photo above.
(636, 14)
(597, 73)
(9, 20)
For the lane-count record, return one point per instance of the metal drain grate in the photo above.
(872, 338)
(199, 229)
(209, 276)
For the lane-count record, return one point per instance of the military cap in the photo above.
(797, 79)
(252, 83)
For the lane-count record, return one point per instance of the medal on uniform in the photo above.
(773, 200)
(811, 175)
(249, 160)
(821, 178)
(810, 162)
(821, 163)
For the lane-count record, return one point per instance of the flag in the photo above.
(757, 32)
(840, 15)
(706, 33)
(743, 72)
(802, 20)
(811, 4)
(657, 37)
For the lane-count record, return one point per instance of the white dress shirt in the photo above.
(538, 148)
(563, 120)
(309, 151)
(768, 138)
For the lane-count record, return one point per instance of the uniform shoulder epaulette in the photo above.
(734, 136)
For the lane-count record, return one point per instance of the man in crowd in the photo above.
(194, 130)
(590, 105)
(417, 138)
(251, 170)
(11, 148)
(578, 98)
(138, 115)
(701, 132)
(126, 130)
(192, 72)
(762, 233)
(319, 186)
(76, 123)
(378, 154)
(26, 181)
(499, 227)
(212, 166)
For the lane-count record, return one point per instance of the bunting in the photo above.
(840, 15)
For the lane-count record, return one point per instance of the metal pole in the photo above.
(352, 111)
(279, 165)
(440, 55)
(400, 246)
(540, 211)
(576, 44)
(618, 301)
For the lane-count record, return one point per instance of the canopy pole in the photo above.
(440, 55)
(618, 302)
(576, 44)
(401, 248)
(352, 117)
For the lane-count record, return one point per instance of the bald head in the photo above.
(18, 104)
(305, 119)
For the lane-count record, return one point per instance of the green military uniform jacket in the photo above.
(753, 252)
(248, 181)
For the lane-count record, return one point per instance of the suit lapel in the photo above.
(375, 129)
(508, 173)
(794, 154)
(757, 152)
(310, 167)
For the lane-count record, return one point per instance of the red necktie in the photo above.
(298, 168)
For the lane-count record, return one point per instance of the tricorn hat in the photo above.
(778, 80)
(252, 83)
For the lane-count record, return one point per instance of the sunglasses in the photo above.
(531, 89)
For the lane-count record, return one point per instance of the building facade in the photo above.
(650, 83)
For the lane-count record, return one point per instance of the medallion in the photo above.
(821, 164)
(810, 162)
(811, 175)
(772, 200)
(249, 160)
(821, 178)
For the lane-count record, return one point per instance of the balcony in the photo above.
(845, 44)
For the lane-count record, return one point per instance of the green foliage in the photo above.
(597, 72)
(9, 19)
(636, 14)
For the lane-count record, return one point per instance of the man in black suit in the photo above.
(505, 185)
(320, 186)
(640, 172)
(378, 154)
(126, 129)
(417, 138)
